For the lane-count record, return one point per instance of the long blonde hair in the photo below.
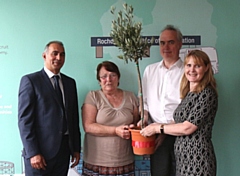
(208, 79)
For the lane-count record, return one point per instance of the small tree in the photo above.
(127, 37)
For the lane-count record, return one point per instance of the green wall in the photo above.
(27, 25)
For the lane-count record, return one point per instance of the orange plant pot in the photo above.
(142, 145)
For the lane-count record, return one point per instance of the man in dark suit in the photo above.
(49, 125)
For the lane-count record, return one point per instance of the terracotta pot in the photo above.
(142, 145)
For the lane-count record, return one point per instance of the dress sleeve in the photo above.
(134, 99)
(91, 98)
(205, 105)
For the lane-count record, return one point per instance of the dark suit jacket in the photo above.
(40, 115)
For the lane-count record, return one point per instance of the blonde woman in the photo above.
(194, 118)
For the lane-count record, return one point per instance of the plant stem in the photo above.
(140, 94)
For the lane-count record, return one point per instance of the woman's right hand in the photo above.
(123, 132)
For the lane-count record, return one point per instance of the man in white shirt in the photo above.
(161, 96)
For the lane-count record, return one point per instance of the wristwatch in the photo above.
(161, 129)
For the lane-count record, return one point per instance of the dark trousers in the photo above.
(163, 160)
(57, 166)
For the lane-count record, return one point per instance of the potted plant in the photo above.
(126, 35)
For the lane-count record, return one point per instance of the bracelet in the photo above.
(162, 129)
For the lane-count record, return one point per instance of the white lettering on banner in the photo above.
(147, 39)
(188, 40)
(5, 112)
(5, 109)
(104, 41)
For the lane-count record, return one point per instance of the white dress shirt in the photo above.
(161, 90)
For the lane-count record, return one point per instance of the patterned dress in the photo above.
(195, 153)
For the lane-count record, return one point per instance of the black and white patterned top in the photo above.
(195, 153)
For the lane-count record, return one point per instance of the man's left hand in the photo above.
(75, 159)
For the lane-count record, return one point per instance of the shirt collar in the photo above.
(51, 74)
(178, 63)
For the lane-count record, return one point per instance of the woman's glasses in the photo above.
(112, 75)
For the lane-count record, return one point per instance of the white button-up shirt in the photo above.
(161, 90)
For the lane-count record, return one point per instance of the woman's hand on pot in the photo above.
(123, 132)
(150, 130)
(131, 126)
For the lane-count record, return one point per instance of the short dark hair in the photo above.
(109, 66)
(51, 42)
(173, 28)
